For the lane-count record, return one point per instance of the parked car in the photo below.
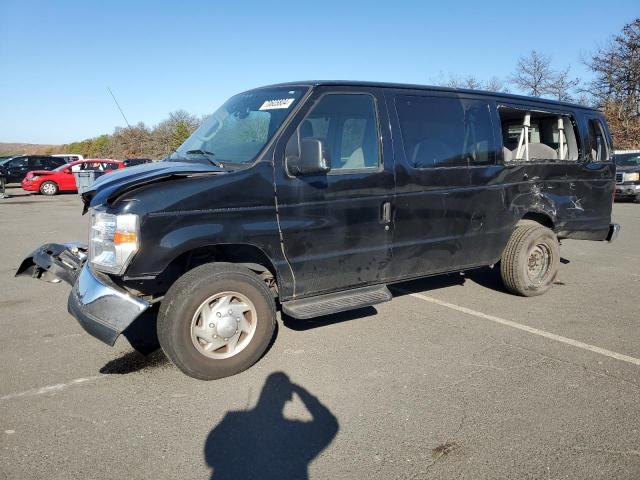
(15, 169)
(69, 157)
(317, 196)
(628, 176)
(132, 162)
(62, 179)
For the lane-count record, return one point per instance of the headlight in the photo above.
(632, 177)
(35, 177)
(113, 241)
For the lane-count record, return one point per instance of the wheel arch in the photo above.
(542, 217)
(250, 256)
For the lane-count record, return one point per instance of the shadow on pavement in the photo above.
(262, 444)
(134, 362)
(301, 325)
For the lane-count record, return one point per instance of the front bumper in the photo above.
(614, 230)
(102, 308)
(628, 190)
(30, 186)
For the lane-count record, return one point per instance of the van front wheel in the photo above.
(216, 320)
(529, 263)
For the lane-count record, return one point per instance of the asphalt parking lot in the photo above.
(454, 378)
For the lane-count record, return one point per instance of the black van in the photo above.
(312, 197)
(15, 169)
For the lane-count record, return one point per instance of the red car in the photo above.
(62, 179)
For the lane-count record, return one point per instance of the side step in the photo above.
(337, 302)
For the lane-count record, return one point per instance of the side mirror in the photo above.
(308, 159)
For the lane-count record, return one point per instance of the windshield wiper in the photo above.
(208, 155)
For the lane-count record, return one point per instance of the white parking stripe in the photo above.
(526, 328)
(49, 389)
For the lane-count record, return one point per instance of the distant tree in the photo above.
(533, 74)
(169, 134)
(100, 146)
(561, 85)
(129, 142)
(469, 82)
(616, 84)
(494, 84)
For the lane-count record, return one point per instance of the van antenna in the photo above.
(118, 105)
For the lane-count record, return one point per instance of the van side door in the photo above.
(336, 226)
(491, 219)
(595, 185)
(432, 211)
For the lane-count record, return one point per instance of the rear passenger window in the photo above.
(56, 162)
(347, 126)
(36, 162)
(445, 131)
(598, 148)
(529, 136)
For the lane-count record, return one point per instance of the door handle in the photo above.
(386, 212)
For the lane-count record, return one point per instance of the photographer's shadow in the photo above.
(262, 444)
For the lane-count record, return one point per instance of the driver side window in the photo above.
(346, 124)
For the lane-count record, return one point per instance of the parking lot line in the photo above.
(49, 388)
(526, 328)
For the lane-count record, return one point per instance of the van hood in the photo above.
(108, 187)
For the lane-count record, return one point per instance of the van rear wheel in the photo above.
(216, 320)
(529, 263)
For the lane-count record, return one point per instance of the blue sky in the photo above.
(58, 57)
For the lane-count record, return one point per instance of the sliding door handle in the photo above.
(386, 212)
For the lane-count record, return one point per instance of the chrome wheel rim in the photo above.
(49, 188)
(223, 325)
(538, 263)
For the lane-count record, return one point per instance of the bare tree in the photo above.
(469, 82)
(616, 84)
(494, 84)
(533, 74)
(561, 85)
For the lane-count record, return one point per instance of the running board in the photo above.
(337, 302)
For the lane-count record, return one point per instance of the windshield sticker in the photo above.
(274, 104)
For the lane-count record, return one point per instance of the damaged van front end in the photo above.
(102, 308)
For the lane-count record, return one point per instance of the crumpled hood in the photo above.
(108, 187)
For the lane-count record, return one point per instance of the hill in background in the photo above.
(27, 148)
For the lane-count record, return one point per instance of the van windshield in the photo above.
(239, 129)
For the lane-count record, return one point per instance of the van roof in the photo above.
(408, 86)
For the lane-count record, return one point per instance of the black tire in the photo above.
(49, 188)
(184, 298)
(530, 242)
